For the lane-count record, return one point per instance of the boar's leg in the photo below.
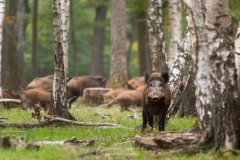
(150, 119)
(144, 116)
(162, 118)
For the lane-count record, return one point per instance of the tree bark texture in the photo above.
(200, 60)
(2, 11)
(217, 100)
(176, 72)
(118, 56)
(13, 66)
(34, 39)
(175, 33)
(156, 41)
(225, 99)
(237, 54)
(98, 39)
(143, 47)
(60, 27)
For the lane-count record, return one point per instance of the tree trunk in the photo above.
(156, 41)
(2, 11)
(143, 51)
(176, 72)
(98, 39)
(217, 100)
(73, 40)
(175, 33)
(225, 99)
(60, 27)
(13, 67)
(34, 39)
(237, 55)
(118, 57)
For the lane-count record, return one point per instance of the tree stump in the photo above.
(94, 95)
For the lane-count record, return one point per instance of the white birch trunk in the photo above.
(195, 18)
(156, 41)
(61, 26)
(2, 11)
(175, 34)
(237, 53)
(176, 72)
(225, 100)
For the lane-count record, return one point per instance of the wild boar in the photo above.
(135, 82)
(43, 82)
(7, 94)
(76, 86)
(109, 96)
(126, 98)
(31, 97)
(156, 99)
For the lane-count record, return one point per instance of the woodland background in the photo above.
(81, 37)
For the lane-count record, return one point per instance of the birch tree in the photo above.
(118, 55)
(217, 100)
(156, 41)
(176, 72)
(60, 27)
(237, 54)
(2, 11)
(175, 29)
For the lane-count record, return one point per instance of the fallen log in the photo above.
(168, 141)
(54, 119)
(94, 95)
(17, 101)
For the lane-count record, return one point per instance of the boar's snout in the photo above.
(155, 98)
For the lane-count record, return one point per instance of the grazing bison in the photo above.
(76, 86)
(135, 82)
(127, 98)
(31, 97)
(43, 82)
(156, 99)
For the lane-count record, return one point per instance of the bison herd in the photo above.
(150, 91)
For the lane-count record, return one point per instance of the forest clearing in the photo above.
(118, 79)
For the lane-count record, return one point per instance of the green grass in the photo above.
(111, 143)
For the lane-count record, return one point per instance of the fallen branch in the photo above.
(54, 119)
(72, 141)
(17, 101)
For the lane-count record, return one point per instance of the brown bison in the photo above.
(156, 99)
(31, 97)
(76, 86)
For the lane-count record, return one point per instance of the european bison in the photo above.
(156, 99)
(76, 86)
(31, 97)
(127, 98)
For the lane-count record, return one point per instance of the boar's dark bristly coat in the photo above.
(156, 99)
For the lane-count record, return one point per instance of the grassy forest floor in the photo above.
(110, 143)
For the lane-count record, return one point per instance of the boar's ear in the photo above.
(165, 77)
(146, 77)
